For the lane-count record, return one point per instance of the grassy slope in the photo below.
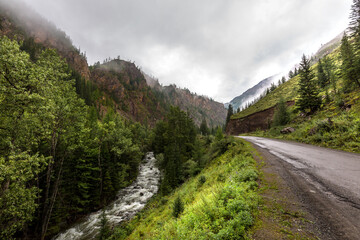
(228, 205)
(288, 90)
(343, 133)
(220, 208)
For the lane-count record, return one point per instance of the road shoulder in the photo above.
(282, 213)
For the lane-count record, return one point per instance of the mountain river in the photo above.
(130, 200)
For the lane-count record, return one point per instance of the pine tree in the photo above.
(329, 71)
(354, 25)
(291, 74)
(322, 76)
(309, 97)
(229, 114)
(178, 207)
(105, 231)
(281, 115)
(204, 130)
(348, 66)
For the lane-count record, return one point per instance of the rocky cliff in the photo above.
(199, 107)
(122, 85)
(257, 121)
(20, 22)
(126, 85)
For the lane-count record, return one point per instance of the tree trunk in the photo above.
(47, 216)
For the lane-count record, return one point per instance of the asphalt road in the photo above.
(327, 181)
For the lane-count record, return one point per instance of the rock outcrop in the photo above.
(199, 107)
(126, 85)
(27, 25)
(257, 121)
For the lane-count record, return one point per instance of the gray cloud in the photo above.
(217, 48)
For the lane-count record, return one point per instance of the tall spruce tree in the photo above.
(282, 115)
(354, 25)
(354, 28)
(229, 114)
(204, 130)
(348, 67)
(322, 76)
(309, 100)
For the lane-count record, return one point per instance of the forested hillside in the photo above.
(199, 107)
(115, 84)
(70, 163)
(69, 129)
(326, 96)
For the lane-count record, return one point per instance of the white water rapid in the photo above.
(130, 200)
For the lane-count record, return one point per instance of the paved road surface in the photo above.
(327, 180)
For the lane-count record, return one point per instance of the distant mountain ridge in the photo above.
(116, 84)
(199, 107)
(252, 93)
(259, 88)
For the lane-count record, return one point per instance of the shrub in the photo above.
(178, 207)
(281, 115)
(202, 180)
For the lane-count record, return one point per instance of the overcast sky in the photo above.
(217, 48)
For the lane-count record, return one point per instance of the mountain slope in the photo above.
(252, 93)
(126, 85)
(20, 22)
(116, 84)
(199, 107)
(335, 124)
(258, 89)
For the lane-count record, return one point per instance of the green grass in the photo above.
(221, 207)
(343, 132)
(288, 90)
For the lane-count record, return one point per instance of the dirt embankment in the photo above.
(257, 121)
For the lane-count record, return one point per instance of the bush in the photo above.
(281, 115)
(178, 207)
(202, 180)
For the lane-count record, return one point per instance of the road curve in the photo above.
(329, 177)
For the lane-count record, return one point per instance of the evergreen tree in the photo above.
(354, 25)
(322, 76)
(105, 231)
(348, 67)
(281, 115)
(291, 74)
(229, 114)
(329, 70)
(309, 97)
(219, 134)
(272, 87)
(204, 130)
(178, 207)
(178, 136)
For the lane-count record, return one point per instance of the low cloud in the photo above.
(216, 48)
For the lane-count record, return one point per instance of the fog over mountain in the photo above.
(215, 48)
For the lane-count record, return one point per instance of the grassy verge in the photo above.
(332, 127)
(219, 203)
(280, 214)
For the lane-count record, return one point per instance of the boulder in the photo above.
(287, 130)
